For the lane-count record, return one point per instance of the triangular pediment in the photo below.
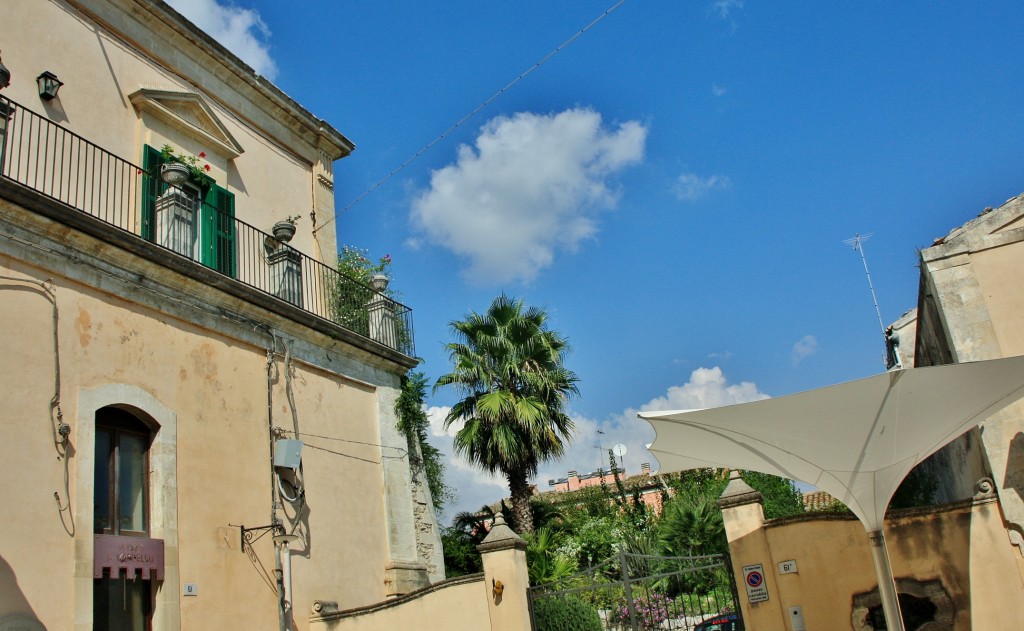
(189, 113)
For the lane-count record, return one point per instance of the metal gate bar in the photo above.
(634, 592)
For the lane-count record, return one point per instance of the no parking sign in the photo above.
(753, 578)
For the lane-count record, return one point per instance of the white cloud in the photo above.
(532, 185)
(242, 31)
(587, 451)
(718, 90)
(707, 388)
(805, 347)
(724, 7)
(690, 187)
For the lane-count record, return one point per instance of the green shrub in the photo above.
(565, 614)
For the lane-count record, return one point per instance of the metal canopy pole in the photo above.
(886, 582)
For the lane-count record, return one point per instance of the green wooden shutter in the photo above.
(218, 230)
(152, 187)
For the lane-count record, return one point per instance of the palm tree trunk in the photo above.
(519, 487)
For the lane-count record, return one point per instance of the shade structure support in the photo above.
(886, 582)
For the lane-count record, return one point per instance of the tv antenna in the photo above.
(620, 451)
(857, 243)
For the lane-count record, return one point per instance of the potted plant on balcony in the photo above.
(284, 230)
(178, 168)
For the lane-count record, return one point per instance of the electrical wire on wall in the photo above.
(274, 523)
(58, 428)
(401, 455)
(298, 491)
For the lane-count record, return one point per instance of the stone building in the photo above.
(199, 429)
(971, 307)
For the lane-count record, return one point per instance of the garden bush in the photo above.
(565, 614)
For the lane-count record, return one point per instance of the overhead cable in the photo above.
(473, 113)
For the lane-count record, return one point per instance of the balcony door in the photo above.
(212, 219)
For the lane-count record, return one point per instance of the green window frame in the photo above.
(217, 233)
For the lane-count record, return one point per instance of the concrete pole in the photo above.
(886, 582)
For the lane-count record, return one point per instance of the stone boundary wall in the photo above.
(456, 604)
(954, 555)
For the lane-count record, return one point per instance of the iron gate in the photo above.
(636, 592)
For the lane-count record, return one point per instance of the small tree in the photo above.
(460, 554)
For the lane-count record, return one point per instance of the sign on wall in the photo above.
(753, 578)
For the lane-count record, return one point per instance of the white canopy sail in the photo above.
(856, 441)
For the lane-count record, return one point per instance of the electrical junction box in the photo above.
(287, 453)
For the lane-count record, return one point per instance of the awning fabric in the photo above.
(856, 440)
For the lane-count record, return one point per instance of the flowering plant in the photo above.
(356, 263)
(651, 611)
(197, 169)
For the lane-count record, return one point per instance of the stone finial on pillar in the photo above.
(738, 493)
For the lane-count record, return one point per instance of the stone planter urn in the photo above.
(284, 231)
(174, 173)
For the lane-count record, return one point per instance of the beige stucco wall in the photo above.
(962, 546)
(457, 605)
(216, 386)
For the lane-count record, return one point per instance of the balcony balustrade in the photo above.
(61, 165)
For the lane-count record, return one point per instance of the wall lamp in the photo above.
(5, 75)
(48, 85)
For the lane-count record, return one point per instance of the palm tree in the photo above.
(508, 367)
(692, 524)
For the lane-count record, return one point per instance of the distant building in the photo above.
(198, 429)
(815, 501)
(647, 486)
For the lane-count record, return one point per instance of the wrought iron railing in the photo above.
(57, 163)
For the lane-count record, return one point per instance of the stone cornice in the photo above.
(168, 38)
(166, 273)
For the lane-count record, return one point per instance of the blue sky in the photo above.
(674, 186)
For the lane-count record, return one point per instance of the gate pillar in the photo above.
(506, 578)
(743, 515)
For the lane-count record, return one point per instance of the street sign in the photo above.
(753, 579)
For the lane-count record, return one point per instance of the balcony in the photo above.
(84, 178)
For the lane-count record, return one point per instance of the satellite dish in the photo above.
(619, 450)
